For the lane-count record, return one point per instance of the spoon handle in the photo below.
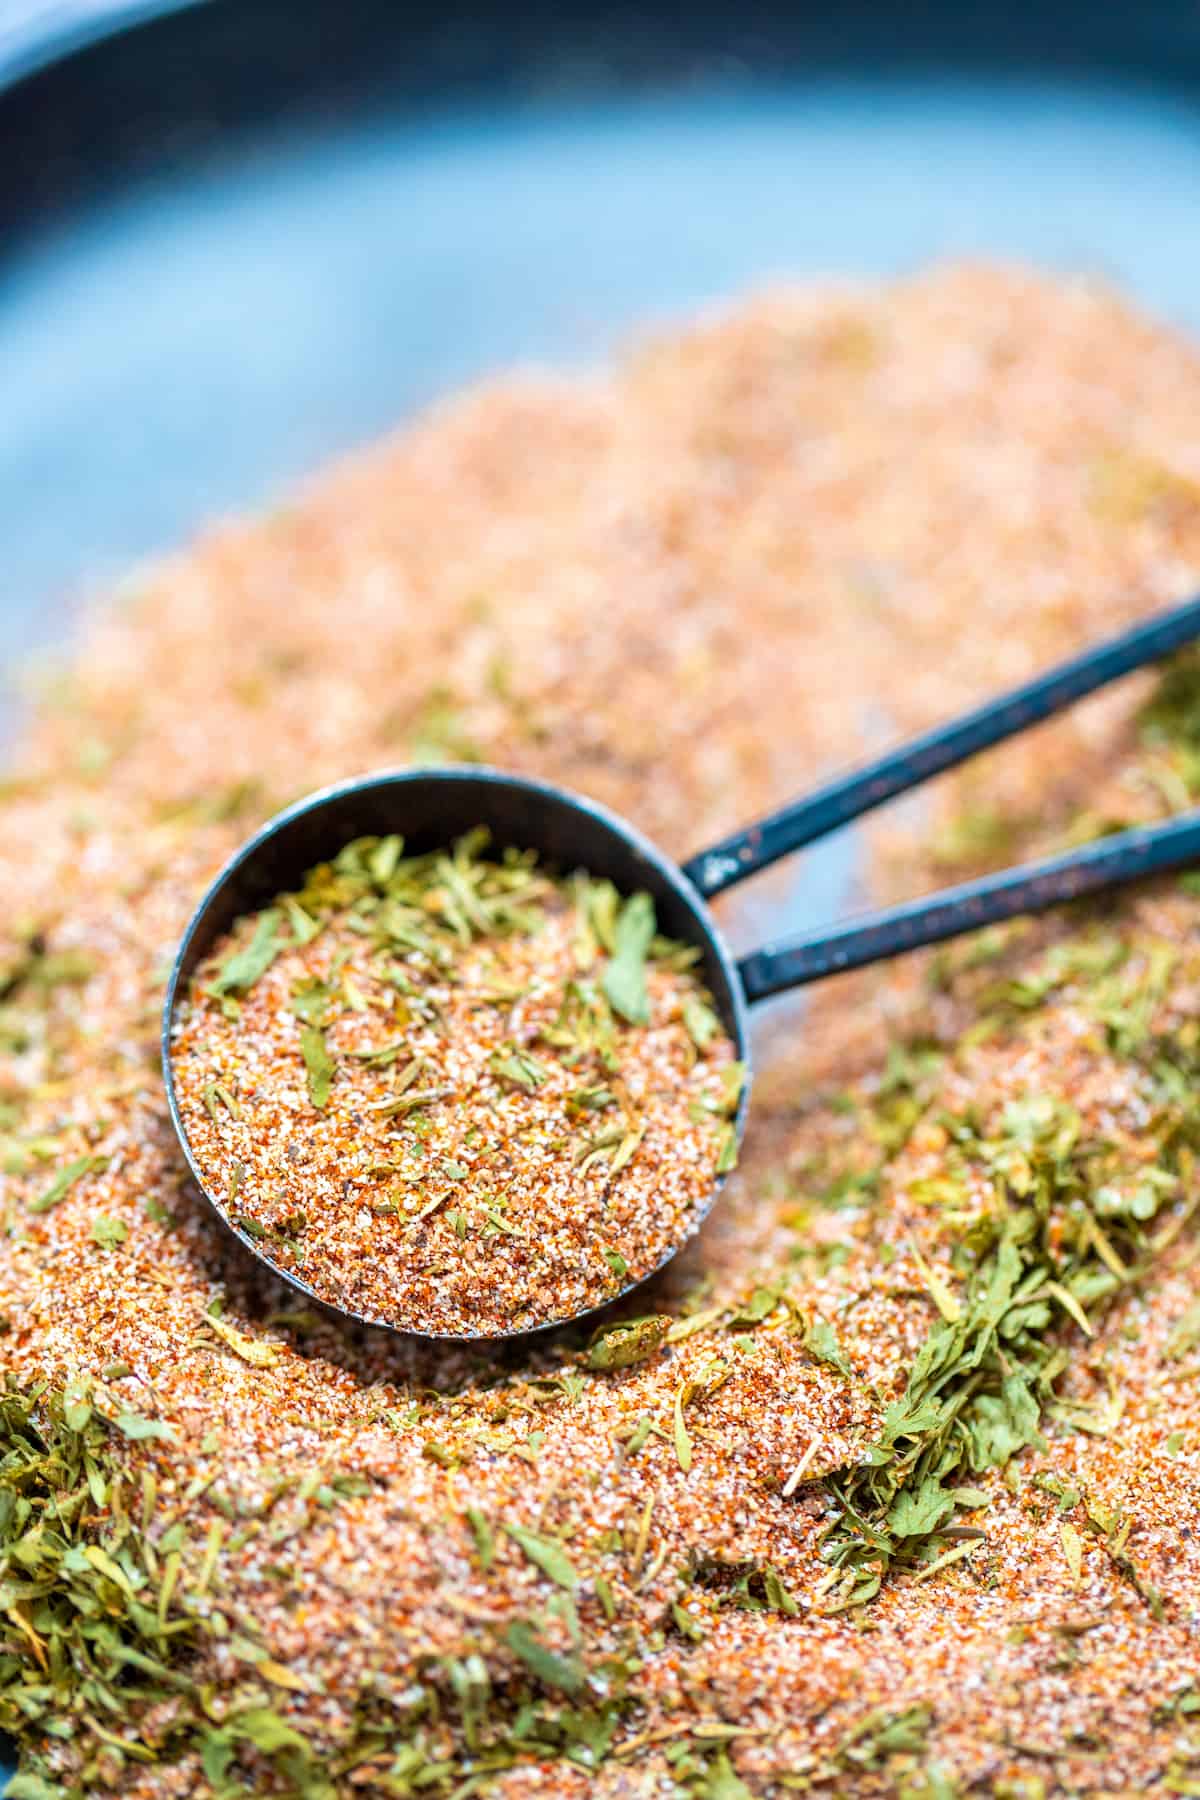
(847, 797)
(1110, 862)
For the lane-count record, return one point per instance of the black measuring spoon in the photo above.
(429, 808)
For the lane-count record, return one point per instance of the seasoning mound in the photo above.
(247, 1551)
(456, 1095)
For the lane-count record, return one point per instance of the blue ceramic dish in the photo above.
(239, 236)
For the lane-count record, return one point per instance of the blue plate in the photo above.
(231, 250)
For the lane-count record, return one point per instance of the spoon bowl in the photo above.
(430, 808)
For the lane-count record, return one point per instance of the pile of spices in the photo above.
(456, 1095)
(887, 1488)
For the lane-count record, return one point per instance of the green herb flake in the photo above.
(777, 1596)
(547, 1554)
(239, 972)
(733, 1080)
(820, 1340)
(310, 1000)
(566, 1674)
(683, 1443)
(33, 1787)
(108, 1233)
(759, 1306)
(1185, 1333)
(303, 927)
(602, 905)
(383, 859)
(639, 1437)
(883, 1733)
(918, 1511)
(76, 1405)
(318, 1062)
(624, 979)
(632, 1341)
(517, 1068)
(722, 1781)
(1072, 1545)
(687, 1624)
(700, 1022)
(626, 1150)
(216, 1096)
(250, 1349)
(139, 1430)
(264, 1729)
(485, 1542)
(63, 1182)
(598, 1098)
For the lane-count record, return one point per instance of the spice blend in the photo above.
(889, 1485)
(453, 1094)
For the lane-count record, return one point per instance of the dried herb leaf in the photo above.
(251, 1350)
(318, 1062)
(624, 980)
(133, 1426)
(548, 1554)
(590, 1099)
(239, 972)
(304, 928)
(918, 1511)
(684, 1622)
(722, 1782)
(759, 1306)
(63, 1182)
(1072, 1545)
(76, 1407)
(777, 1596)
(33, 1787)
(727, 1153)
(554, 1671)
(882, 1734)
(216, 1095)
(109, 1233)
(519, 1069)
(311, 1000)
(485, 1543)
(263, 1728)
(279, 1676)
(700, 1022)
(821, 1341)
(1185, 1334)
(683, 1443)
(733, 1080)
(632, 1341)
